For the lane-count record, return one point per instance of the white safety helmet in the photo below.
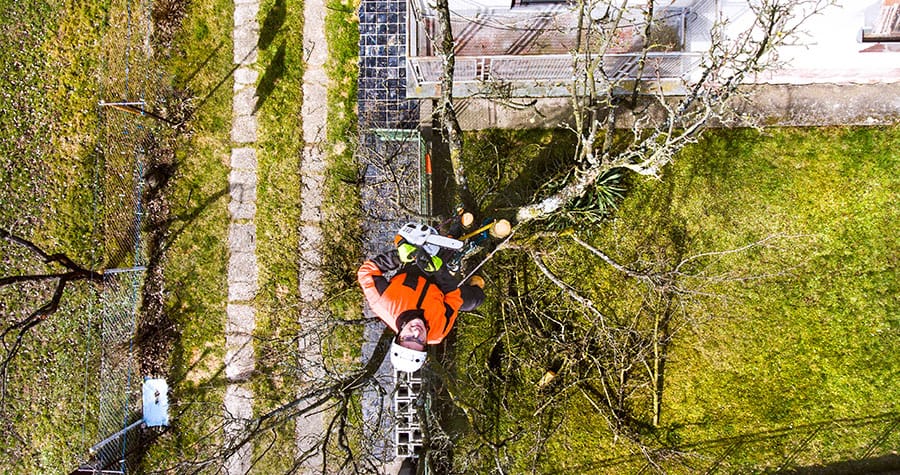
(405, 359)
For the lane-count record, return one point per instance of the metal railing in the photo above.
(553, 73)
(563, 69)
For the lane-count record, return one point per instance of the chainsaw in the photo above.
(427, 244)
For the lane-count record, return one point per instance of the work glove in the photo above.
(387, 261)
(430, 264)
(407, 252)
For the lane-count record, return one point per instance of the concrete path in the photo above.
(309, 428)
(243, 271)
(777, 105)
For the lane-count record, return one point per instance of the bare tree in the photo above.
(446, 110)
(611, 355)
(346, 445)
(604, 348)
(662, 123)
(666, 124)
(67, 272)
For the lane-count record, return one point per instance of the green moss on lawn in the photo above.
(816, 344)
(802, 357)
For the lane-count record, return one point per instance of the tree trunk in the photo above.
(449, 122)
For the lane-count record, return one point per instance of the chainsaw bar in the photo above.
(444, 241)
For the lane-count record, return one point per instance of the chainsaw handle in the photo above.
(427, 238)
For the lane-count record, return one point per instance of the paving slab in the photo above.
(242, 237)
(242, 291)
(314, 116)
(314, 103)
(245, 39)
(238, 409)
(245, 100)
(242, 267)
(244, 129)
(242, 185)
(243, 158)
(239, 360)
(240, 211)
(245, 15)
(245, 76)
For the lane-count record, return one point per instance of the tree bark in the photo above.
(449, 121)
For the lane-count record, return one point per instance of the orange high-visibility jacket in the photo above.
(409, 291)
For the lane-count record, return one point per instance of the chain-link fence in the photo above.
(129, 81)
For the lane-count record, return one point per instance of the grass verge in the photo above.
(199, 63)
(279, 193)
(341, 208)
(789, 371)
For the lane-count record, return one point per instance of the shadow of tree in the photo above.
(272, 24)
(158, 332)
(728, 447)
(505, 168)
(886, 464)
(273, 73)
(212, 54)
(186, 219)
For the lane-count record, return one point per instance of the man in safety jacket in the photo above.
(420, 307)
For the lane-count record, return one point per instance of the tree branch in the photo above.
(572, 293)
